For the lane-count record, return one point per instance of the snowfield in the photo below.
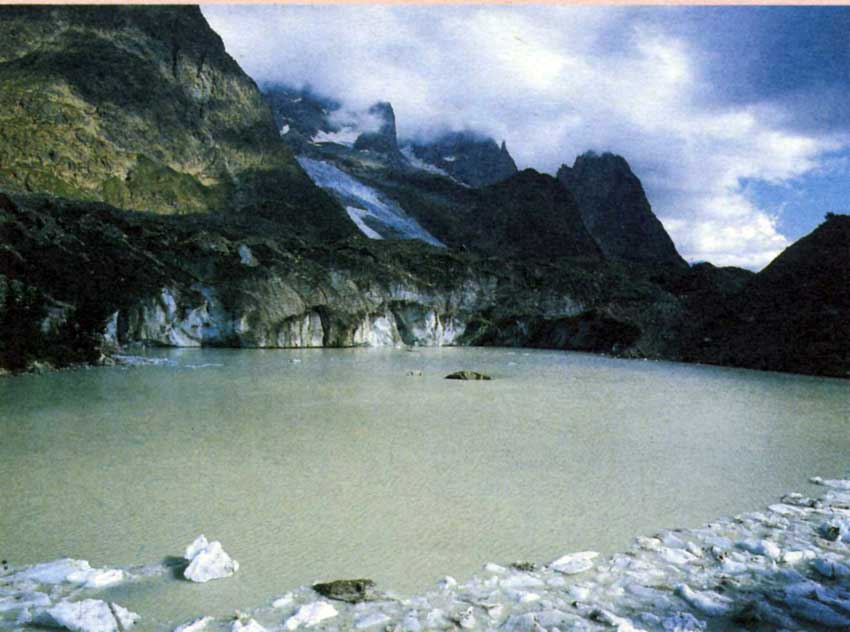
(376, 216)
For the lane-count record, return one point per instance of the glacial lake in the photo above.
(322, 464)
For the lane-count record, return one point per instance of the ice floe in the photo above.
(88, 615)
(194, 626)
(310, 615)
(67, 570)
(208, 561)
(785, 568)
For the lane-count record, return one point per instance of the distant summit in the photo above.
(467, 157)
(615, 210)
(384, 139)
(299, 114)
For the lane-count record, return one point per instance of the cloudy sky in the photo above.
(736, 119)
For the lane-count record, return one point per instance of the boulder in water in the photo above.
(350, 590)
(468, 375)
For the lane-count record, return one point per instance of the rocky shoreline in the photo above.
(785, 568)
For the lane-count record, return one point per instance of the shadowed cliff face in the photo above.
(792, 316)
(615, 210)
(468, 158)
(384, 140)
(142, 107)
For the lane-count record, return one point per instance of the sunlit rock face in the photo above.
(143, 108)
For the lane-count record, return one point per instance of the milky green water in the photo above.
(323, 464)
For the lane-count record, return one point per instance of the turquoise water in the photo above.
(321, 464)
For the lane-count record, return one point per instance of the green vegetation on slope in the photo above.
(142, 107)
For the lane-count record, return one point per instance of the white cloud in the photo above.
(553, 82)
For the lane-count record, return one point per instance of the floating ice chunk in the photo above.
(765, 548)
(437, 619)
(816, 612)
(89, 615)
(490, 567)
(370, 620)
(284, 602)
(410, 623)
(55, 572)
(676, 556)
(835, 529)
(194, 626)
(619, 623)
(683, 622)
(522, 623)
(787, 510)
(707, 602)
(310, 614)
(795, 557)
(24, 617)
(521, 580)
(67, 570)
(209, 562)
(574, 563)
(250, 626)
(834, 483)
(196, 547)
(831, 567)
(447, 583)
(521, 596)
(466, 619)
(28, 599)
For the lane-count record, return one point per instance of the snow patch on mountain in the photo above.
(375, 216)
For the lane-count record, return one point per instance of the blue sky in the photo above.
(736, 119)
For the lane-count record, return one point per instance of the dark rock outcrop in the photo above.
(528, 215)
(349, 590)
(792, 316)
(299, 114)
(616, 212)
(468, 376)
(384, 139)
(141, 107)
(467, 157)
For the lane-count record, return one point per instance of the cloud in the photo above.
(557, 81)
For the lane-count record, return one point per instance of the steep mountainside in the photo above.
(792, 316)
(467, 157)
(527, 215)
(142, 107)
(615, 210)
(299, 115)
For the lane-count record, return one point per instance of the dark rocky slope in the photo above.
(467, 157)
(299, 114)
(142, 107)
(78, 279)
(615, 210)
(792, 316)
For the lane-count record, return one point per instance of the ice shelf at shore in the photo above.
(786, 568)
